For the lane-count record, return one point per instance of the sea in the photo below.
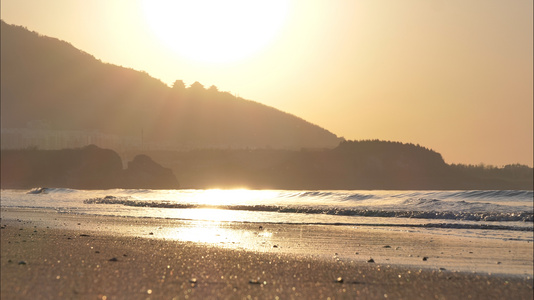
(506, 215)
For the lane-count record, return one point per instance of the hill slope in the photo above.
(369, 164)
(47, 80)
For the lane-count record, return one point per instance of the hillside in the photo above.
(353, 165)
(49, 82)
(371, 164)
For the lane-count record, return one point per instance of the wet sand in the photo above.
(48, 255)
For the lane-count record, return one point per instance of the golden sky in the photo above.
(455, 76)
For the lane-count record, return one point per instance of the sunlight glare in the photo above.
(228, 197)
(215, 31)
(220, 234)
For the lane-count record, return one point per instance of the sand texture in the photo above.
(91, 262)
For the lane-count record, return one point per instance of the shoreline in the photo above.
(69, 255)
(422, 248)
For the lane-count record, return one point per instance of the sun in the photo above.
(215, 31)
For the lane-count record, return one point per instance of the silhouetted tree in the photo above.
(197, 86)
(178, 85)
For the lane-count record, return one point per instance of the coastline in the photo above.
(46, 254)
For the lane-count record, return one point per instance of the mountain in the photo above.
(50, 83)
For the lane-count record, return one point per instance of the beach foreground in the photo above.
(48, 255)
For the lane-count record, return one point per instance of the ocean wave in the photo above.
(45, 190)
(424, 198)
(459, 205)
(327, 210)
(506, 194)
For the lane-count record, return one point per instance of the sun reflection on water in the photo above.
(230, 197)
(211, 214)
(218, 233)
(219, 226)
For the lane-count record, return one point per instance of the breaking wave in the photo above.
(459, 210)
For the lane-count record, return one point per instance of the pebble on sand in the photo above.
(257, 281)
(371, 260)
(114, 259)
(193, 282)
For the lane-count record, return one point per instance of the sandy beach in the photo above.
(45, 255)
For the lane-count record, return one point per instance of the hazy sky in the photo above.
(455, 76)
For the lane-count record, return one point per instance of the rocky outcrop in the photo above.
(143, 172)
(89, 167)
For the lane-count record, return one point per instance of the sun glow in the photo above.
(223, 235)
(215, 31)
(228, 197)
